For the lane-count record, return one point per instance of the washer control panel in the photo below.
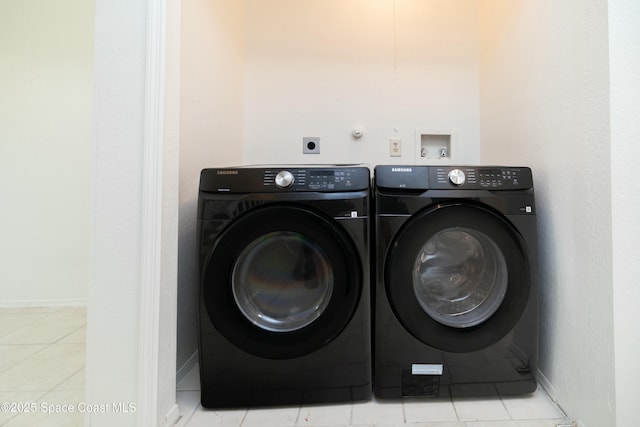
(454, 177)
(474, 178)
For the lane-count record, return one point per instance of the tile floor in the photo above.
(42, 360)
(535, 410)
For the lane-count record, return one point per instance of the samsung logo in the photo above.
(227, 172)
(401, 170)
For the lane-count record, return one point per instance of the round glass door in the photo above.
(460, 277)
(281, 281)
(457, 276)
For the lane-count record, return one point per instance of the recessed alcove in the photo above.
(521, 83)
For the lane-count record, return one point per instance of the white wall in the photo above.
(323, 67)
(114, 288)
(211, 130)
(545, 103)
(132, 292)
(624, 45)
(46, 77)
(257, 76)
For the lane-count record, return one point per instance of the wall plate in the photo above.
(311, 145)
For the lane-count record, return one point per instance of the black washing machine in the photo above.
(285, 313)
(456, 298)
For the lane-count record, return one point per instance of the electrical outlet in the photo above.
(311, 145)
(444, 152)
(395, 147)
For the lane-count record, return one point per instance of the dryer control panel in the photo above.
(279, 179)
(454, 177)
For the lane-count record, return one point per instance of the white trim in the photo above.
(150, 275)
(71, 302)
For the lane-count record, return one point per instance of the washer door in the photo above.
(457, 276)
(281, 281)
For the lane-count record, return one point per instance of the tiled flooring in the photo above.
(535, 410)
(42, 360)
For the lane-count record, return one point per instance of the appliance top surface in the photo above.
(493, 178)
(301, 165)
(285, 178)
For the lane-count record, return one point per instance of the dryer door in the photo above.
(282, 281)
(457, 276)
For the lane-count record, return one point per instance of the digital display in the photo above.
(323, 173)
(490, 172)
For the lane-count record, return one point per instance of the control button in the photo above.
(456, 176)
(284, 179)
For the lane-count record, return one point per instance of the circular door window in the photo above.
(457, 276)
(460, 277)
(281, 281)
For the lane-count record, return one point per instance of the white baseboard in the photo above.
(186, 367)
(172, 417)
(64, 302)
(553, 395)
(548, 387)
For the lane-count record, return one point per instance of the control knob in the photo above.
(456, 176)
(284, 179)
